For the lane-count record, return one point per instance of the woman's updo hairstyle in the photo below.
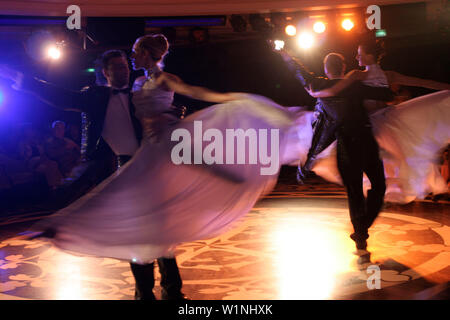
(157, 45)
(371, 45)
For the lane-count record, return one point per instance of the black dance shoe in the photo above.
(165, 295)
(148, 296)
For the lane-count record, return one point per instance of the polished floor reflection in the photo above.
(293, 245)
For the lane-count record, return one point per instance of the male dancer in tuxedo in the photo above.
(107, 108)
(344, 118)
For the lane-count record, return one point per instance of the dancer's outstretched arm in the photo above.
(174, 83)
(395, 77)
(349, 79)
(392, 76)
(54, 96)
(302, 74)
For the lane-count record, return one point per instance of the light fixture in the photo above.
(238, 23)
(347, 24)
(319, 27)
(291, 30)
(53, 52)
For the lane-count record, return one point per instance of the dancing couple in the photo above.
(347, 121)
(410, 134)
(144, 209)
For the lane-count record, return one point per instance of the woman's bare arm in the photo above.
(350, 77)
(395, 77)
(175, 84)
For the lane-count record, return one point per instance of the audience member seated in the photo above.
(31, 152)
(74, 133)
(61, 149)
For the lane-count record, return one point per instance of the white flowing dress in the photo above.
(152, 204)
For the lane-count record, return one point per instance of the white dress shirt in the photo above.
(118, 129)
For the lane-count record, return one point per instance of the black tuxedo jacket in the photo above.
(93, 101)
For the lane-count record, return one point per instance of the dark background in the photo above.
(414, 46)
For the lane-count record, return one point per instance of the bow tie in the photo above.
(125, 91)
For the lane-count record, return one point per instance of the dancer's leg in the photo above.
(373, 167)
(171, 282)
(145, 280)
(323, 136)
(349, 162)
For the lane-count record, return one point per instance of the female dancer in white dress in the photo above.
(153, 202)
(410, 134)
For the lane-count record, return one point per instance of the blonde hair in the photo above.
(157, 45)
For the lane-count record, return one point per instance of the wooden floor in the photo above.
(294, 244)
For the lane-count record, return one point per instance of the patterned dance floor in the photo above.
(294, 244)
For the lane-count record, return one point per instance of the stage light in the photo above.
(347, 24)
(90, 70)
(278, 19)
(305, 40)
(291, 30)
(259, 24)
(279, 44)
(54, 52)
(319, 27)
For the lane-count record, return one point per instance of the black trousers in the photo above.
(143, 274)
(323, 136)
(171, 282)
(358, 153)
